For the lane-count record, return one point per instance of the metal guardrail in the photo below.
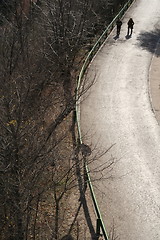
(100, 225)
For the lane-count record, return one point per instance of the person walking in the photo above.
(130, 26)
(119, 24)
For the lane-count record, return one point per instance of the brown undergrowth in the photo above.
(63, 193)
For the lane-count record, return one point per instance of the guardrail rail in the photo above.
(100, 227)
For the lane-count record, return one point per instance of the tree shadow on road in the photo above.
(148, 41)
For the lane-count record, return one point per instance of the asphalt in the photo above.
(154, 83)
(122, 110)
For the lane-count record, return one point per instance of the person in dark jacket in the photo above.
(130, 26)
(119, 24)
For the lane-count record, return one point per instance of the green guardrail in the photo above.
(100, 227)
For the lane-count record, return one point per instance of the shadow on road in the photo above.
(128, 36)
(148, 41)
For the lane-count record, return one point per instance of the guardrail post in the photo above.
(98, 226)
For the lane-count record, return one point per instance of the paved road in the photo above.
(117, 111)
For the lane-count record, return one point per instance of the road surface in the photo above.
(117, 110)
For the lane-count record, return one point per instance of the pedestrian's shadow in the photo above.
(128, 36)
(116, 37)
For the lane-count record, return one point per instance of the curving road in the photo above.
(118, 111)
